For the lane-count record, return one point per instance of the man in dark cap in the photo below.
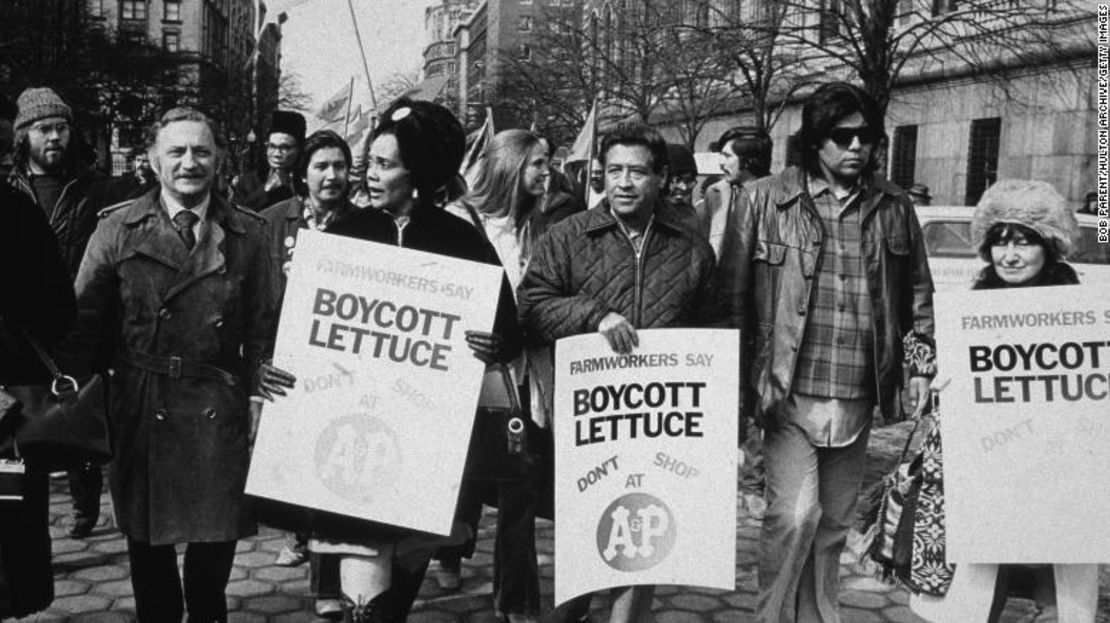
(47, 167)
(274, 183)
(682, 176)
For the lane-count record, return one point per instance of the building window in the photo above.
(982, 157)
(525, 23)
(96, 8)
(526, 2)
(904, 155)
(173, 11)
(171, 41)
(940, 7)
(829, 26)
(132, 9)
(905, 10)
(525, 52)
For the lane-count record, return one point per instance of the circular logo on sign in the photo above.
(357, 456)
(636, 532)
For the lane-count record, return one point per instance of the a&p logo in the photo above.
(636, 532)
(357, 457)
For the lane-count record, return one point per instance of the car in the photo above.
(955, 263)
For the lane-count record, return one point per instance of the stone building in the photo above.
(954, 125)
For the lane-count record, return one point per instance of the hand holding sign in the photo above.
(620, 333)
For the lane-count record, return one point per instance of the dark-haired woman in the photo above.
(1024, 231)
(321, 199)
(416, 150)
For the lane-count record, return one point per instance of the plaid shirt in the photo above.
(835, 357)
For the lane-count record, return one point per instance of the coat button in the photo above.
(160, 414)
(165, 314)
(210, 413)
(219, 322)
(801, 310)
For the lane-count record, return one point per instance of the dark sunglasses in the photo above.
(843, 136)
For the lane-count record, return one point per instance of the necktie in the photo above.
(184, 221)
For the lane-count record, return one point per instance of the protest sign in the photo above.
(378, 423)
(1024, 425)
(645, 461)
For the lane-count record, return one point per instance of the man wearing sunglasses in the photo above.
(831, 276)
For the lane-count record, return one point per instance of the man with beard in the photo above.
(49, 170)
(259, 191)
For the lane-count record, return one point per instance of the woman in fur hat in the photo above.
(1024, 230)
(415, 152)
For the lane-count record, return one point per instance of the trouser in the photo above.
(752, 476)
(85, 486)
(516, 574)
(324, 576)
(811, 496)
(158, 585)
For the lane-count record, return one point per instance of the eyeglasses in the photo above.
(46, 129)
(281, 148)
(843, 136)
(684, 181)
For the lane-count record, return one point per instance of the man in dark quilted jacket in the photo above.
(624, 265)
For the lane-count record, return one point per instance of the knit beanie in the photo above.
(1035, 205)
(40, 103)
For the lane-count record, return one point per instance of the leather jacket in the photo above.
(768, 260)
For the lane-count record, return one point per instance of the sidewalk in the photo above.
(92, 582)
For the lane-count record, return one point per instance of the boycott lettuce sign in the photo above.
(646, 461)
(377, 426)
(1024, 424)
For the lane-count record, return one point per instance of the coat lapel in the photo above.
(207, 256)
(157, 239)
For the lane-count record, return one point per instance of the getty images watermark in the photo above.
(1103, 123)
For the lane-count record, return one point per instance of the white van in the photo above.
(955, 264)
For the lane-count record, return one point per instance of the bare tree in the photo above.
(291, 94)
(883, 41)
(654, 61)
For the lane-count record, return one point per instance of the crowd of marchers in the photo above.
(174, 281)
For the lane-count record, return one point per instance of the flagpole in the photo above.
(362, 52)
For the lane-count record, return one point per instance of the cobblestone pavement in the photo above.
(92, 583)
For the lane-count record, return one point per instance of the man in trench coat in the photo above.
(175, 293)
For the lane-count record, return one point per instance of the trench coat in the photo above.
(185, 333)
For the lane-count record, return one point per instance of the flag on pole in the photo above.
(335, 108)
(584, 145)
(474, 153)
(358, 124)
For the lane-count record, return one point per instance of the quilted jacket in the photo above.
(768, 260)
(585, 267)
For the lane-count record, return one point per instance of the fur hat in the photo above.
(1035, 205)
(289, 122)
(680, 160)
(431, 141)
(40, 103)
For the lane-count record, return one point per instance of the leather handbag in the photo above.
(62, 424)
(501, 442)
